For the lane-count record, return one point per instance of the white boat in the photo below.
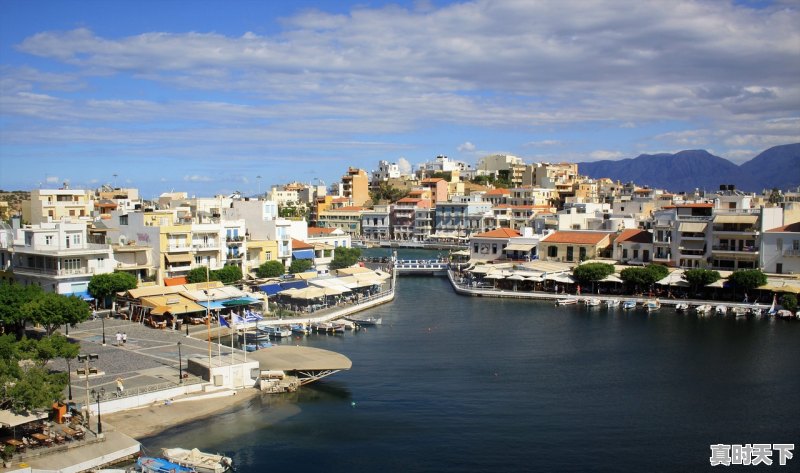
(612, 302)
(682, 307)
(567, 301)
(160, 465)
(199, 461)
(592, 301)
(784, 314)
(366, 321)
(703, 309)
(275, 332)
(721, 309)
(739, 311)
(629, 304)
(652, 306)
(302, 329)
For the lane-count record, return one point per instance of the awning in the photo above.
(82, 294)
(182, 258)
(178, 281)
(519, 247)
(323, 246)
(693, 244)
(736, 219)
(303, 254)
(693, 227)
(271, 289)
(9, 419)
(240, 301)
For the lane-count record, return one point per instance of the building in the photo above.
(780, 249)
(375, 224)
(57, 257)
(51, 205)
(490, 246)
(355, 186)
(437, 187)
(462, 216)
(403, 217)
(633, 246)
(346, 218)
(502, 166)
(385, 171)
(575, 246)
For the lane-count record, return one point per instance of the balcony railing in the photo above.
(55, 272)
(791, 252)
(744, 249)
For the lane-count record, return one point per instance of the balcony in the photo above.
(734, 249)
(209, 245)
(178, 247)
(55, 272)
(791, 252)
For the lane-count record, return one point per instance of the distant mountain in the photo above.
(698, 169)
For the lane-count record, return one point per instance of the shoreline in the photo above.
(153, 420)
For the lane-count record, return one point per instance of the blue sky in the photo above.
(204, 96)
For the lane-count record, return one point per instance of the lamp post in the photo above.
(103, 321)
(69, 380)
(85, 359)
(185, 321)
(180, 364)
(99, 395)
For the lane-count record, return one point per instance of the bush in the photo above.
(789, 302)
(300, 266)
(271, 269)
(748, 279)
(592, 272)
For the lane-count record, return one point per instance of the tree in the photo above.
(300, 266)
(12, 298)
(789, 302)
(53, 310)
(271, 269)
(698, 278)
(197, 275)
(638, 278)
(229, 274)
(747, 279)
(592, 272)
(345, 257)
(659, 271)
(387, 192)
(101, 286)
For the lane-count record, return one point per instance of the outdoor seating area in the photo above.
(38, 437)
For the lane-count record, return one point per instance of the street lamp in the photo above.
(180, 364)
(99, 395)
(185, 319)
(69, 380)
(103, 320)
(85, 359)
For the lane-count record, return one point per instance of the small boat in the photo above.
(302, 329)
(160, 465)
(784, 314)
(592, 301)
(275, 332)
(250, 347)
(327, 327)
(755, 311)
(682, 307)
(567, 301)
(366, 321)
(739, 311)
(652, 306)
(200, 462)
(721, 310)
(612, 302)
(703, 309)
(629, 304)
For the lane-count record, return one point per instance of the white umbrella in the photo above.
(611, 278)
(515, 277)
(494, 276)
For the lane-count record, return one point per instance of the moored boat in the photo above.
(629, 304)
(592, 301)
(721, 309)
(161, 465)
(366, 321)
(682, 307)
(652, 306)
(201, 462)
(703, 309)
(739, 311)
(301, 329)
(567, 301)
(275, 332)
(612, 302)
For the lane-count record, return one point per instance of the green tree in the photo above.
(387, 192)
(345, 257)
(101, 286)
(300, 266)
(13, 297)
(229, 274)
(592, 272)
(638, 278)
(196, 275)
(747, 279)
(271, 269)
(789, 302)
(659, 271)
(53, 310)
(698, 278)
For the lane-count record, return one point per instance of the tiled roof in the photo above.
(320, 231)
(792, 227)
(578, 238)
(349, 208)
(498, 192)
(499, 233)
(634, 235)
(301, 245)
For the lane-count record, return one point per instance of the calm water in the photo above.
(452, 383)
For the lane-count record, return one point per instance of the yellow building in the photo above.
(356, 186)
(52, 205)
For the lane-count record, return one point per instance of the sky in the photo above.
(212, 97)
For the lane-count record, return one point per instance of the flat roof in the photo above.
(297, 358)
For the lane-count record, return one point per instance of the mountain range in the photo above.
(777, 167)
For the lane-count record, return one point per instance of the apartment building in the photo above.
(463, 216)
(375, 224)
(52, 205)
(502, 166)
(355, 186)
(403, 217)
(575, 246)
(780, 249)
(346, 218)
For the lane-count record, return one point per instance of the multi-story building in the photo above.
(346, 218)
(780, 249)
(56, 257)
(423, 223)
(463, 216)
(375, 224)
(736, 236)
(355, 186)
(403, 217)
(490, 246)
(442, 164)
(385, 171)
(502, 166)
(437, 187)
(682, 235)
(633, 246)
(52, 205)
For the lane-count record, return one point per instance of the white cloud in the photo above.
(404, 165)
(543, 143)
(52, 180)
(196, 178)
(602, 155)
(466, 146)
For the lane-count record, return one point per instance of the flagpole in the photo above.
(208, 324)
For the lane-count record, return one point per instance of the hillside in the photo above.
(698, 169)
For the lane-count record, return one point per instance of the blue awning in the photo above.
(303, 254)
(293, 284)
(82, 294)
(228, 302)
(271, 289)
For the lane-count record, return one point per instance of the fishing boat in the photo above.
(784, 314)
(652, 306)
(629, 304)
(703, 309)
(366, 321)
(739, 311)
(612, 302)
(682, 307)
(275, 332)
(592, 301)
(201, 462)
(721, 309)
(301, 329)
(250, 347)
(567, 301)
(161, 465)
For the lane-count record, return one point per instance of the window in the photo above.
(475, 248)
(71, 264)
(494, 248)
(76, 239)
(796, 245)
(28, 239)
(582, 253)
(123, 219)
(569, 253)
(552, 251)
(625, 253)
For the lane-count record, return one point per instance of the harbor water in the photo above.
(463, 384)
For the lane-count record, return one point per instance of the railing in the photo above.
(744, 249)
(56, 272)
(791, 252)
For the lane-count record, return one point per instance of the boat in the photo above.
(201, 462)
(328, 327)
(681, 307)
(721, 310)
(784, 314)
(302, 329)
(366, 321)
(161, 465)
(612, 302)
(652, 306)
(629, 304)
(703, 309)
(592, 301)
(739, 311)
(275, 332)
(567, 301)
(257, 345)
(755, 311)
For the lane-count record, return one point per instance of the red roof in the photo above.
(498, 192)
(499, 233)
(576, 237)
(320, 231)
(176, 281)
(634, 235)
(301, 245)
(792, 227)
